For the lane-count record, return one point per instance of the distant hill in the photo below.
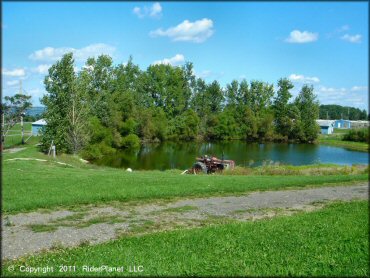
(336, 112)
(35, 111)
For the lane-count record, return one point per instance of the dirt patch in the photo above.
(27, 233)
(14, 150)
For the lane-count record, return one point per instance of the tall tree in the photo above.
(66, 107)
(308, 107)
(215, 97)
(283, 123)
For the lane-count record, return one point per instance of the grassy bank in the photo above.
(335, 140)
(32, 184)
(329, 242)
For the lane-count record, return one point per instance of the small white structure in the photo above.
(326, 126)
(129, 170)
(37, 126)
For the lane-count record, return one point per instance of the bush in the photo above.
(96, 151)
(131, 141)
(357, 135)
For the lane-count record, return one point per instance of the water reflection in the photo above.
(181, 155)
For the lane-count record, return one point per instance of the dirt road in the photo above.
(27, 233)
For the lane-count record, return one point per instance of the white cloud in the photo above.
(154, 11)
(15, 72)
(205, 74)
(80, 54)
(197, 31)
(42, 69)
(343, 28)
(12, 83)
(297, 36)
(303, 79)
(343, 96)
(36, 93)
(359, 88)
(353, 39)
(175, 60)
(208, 74)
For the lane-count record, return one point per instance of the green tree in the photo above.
(66, 108)
(215, 97)
(283, 122)
(13, 108)
(308, 107)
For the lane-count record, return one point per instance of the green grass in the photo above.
(302, 170)
(330, 242)
(335, 140)
(14, 136)
(40, 228)
(27, 126)
(180, 209)
(75, 220)
(30, 185)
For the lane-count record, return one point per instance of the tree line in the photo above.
(336, 112)
(105, 107)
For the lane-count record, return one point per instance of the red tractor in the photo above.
(209, 165)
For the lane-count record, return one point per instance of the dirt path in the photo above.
(27, 233)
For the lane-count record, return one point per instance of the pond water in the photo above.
(181, 155)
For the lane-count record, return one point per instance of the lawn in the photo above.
(33, 184)
(330, 242)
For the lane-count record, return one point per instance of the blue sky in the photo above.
(320, 43)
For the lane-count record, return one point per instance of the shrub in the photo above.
(131, 141)
(357, 135)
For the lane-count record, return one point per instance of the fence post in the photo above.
(22, 129)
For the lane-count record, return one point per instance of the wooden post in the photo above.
(22, 130)
(53, 148)
(3, 134)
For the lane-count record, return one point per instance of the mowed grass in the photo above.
(29, 185)
(330, 242)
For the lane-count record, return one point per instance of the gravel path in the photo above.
(27, 233)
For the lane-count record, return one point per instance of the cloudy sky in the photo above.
(323, 44)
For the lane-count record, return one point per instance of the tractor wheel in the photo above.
(200, 167)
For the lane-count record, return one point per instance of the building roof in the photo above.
(325, 122)
(361, 122)
(39, 122)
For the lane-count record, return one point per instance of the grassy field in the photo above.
(330, 242)
(32, 184)
(335, 140)
(14, 135)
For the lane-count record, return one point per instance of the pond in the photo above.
(181, 155)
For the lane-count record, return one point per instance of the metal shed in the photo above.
(326, 126)
(342, 123)
(37, 126)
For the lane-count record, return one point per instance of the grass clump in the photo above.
(357, 135)
(40, 228)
